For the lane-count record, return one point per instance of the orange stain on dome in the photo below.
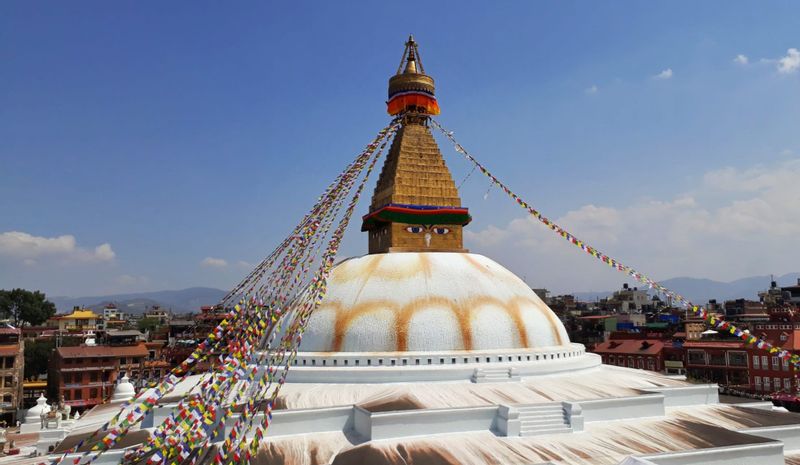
(464, 312)
(370, 267)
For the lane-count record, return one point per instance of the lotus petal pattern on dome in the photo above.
(430, 301)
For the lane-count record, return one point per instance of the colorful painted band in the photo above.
(423, 214)
(398, 103)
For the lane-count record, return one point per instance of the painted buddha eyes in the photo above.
(436, 229)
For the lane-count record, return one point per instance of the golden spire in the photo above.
(415, 206)
(410, 57)
(410, 89)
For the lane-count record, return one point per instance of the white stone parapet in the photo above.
(356, 367)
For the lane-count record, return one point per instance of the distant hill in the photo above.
(702, 290)
(191, 299)
(184, 300)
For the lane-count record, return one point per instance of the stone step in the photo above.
(540, 408)
(558, 419)
(537, 432)
(542, 413)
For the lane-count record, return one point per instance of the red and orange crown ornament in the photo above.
(411, 89)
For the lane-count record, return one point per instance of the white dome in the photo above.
(34, 413)
(124, 390)
(429, 302)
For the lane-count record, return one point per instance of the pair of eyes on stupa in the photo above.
(421, 228)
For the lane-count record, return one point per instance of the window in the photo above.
(764, 362)
(737, 359)
(756, 365)
(784, 337)
(641, 363)
(785, 365)
(775, 363)
(630, 362)
(697, 357)
(93, 393)
(651, 364)
(787, 384)
(757, 381)
(717, 359)
(78, 394)
(66, 394)
(777, 383)
(93, 377)
(767, 383)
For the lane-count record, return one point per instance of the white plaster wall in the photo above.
(789, 435)
(770, 453)
(649, 405)
(385, 425)
(682, 396)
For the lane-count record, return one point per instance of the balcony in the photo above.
(88, 368)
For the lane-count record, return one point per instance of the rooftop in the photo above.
(102, 351)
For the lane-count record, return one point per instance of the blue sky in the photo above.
(151, 145)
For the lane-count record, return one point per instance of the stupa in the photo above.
(419, 301)
(424, 353)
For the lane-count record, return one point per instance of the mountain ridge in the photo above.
(701, 290)
(698, 290)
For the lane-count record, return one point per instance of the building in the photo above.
(32, 390)
(628, 300)
(769, 374)
(723, 362)
(157, 313)
(79, 320)
(111, 312)
(84, 376)
(791, 294)
(424, 353)
(12, 366)
(643, 354)
(743, 309)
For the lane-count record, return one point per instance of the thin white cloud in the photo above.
(128, 280)
(591, 90)
(741, 59)
(789, 63)
(211, 262)
(245, 264)
(30, 249)
(749, 232)
(664, 75)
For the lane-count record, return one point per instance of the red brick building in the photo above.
(12, 361)
(723, 362)
(769, 373)
(644, 354)
(84, 376)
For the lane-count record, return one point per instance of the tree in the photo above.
(148, 324)
(37, 357)
(38, 354)
(22, 306)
